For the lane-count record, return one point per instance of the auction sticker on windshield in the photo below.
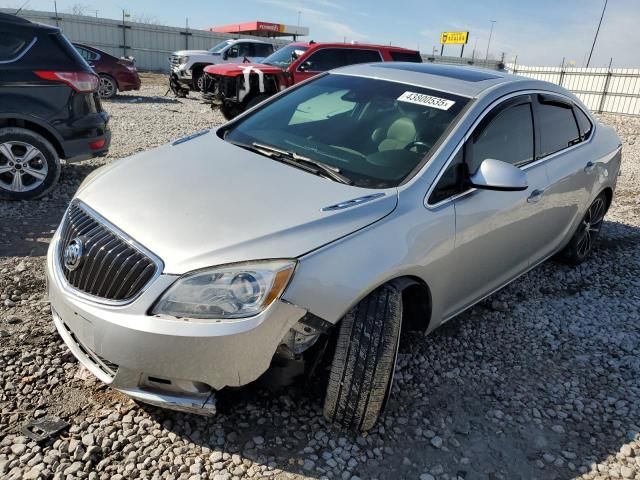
(426, 100)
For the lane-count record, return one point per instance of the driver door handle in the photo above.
(589, 167)
(535, 196)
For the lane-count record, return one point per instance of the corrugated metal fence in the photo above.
(150, 44)
(607, 90)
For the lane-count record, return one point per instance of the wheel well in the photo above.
(608, 192)
(416, 303)
(20, 123)
(198, 67)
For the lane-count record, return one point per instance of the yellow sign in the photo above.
(447, 38)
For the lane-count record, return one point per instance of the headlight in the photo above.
(233, 291)
(184, 60)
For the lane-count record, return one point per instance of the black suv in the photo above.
(49, 108)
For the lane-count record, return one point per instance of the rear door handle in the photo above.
(589, 167)
(535, 196)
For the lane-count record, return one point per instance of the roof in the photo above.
(262, 29)
(351, 45)
(460, 80)
(20, 22)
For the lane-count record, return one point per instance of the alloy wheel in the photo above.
(107, 87)
(22, 166)
(590, 227)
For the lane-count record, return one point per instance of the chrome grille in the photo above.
(111, 267)
(174, 60)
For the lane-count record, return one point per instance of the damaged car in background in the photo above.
(187, 65)
(236, 88)
(317, 227)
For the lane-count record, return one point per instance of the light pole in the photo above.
(597, 31)
(486, 57)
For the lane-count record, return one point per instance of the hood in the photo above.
(206, 202)
(183, 53)
(237, 69)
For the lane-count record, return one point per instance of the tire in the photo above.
(229, 112)
(361, 372)
(197, 80)
(22, 178)
(583, 240)
(255, 101)
(108, 87)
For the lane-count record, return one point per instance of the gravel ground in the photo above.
(539, 381)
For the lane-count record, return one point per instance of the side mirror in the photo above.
(225, 55)
(304, 66)
(231, 53)
(497, 175)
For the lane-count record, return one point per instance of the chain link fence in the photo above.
(608, 90)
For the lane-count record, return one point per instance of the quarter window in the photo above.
(451, 182)
(558, 128)
(584, 123)
(508, 137)
(11, 46)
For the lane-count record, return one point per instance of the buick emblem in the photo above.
(72, 254)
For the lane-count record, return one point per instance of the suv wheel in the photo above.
(362, 369)
(229, 110)
(108, 87)
(29, 165)
(198, 80)
(583, 241)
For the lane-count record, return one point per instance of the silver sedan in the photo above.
(318, 225)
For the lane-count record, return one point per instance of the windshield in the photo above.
(374, 132)
(221, 46)
(282, 58)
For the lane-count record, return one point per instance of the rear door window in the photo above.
(262, 50)
(12, 45)
(88, 55)
(355, 56)
(558, 128)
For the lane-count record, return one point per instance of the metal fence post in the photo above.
(561, 72)
(605, 90)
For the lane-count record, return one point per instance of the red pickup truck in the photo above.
(240, 86)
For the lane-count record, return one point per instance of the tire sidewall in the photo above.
(49, 153)
(115, 86)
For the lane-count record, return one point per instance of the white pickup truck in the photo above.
(187, 65)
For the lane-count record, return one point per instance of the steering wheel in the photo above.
(419, 144)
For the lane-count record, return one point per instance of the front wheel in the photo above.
(230, 111)
(29, 165)
(362, 369)
(581, 244)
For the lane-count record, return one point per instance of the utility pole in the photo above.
(299, 12)
(55, 8)
(597, 31)
(489, 42)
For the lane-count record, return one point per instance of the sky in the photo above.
(538, 32)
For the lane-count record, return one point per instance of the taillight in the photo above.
(96, 144)
(81, 82)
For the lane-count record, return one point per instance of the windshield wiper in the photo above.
(300, 160)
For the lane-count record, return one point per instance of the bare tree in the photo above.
(80, 9)
(145, 18)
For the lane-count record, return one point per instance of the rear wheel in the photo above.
(583, 241)
(108, 87)
(29, 165)
(364, 359)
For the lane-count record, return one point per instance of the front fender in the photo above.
(411, 242)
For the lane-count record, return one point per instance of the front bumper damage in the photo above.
(163, 361)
